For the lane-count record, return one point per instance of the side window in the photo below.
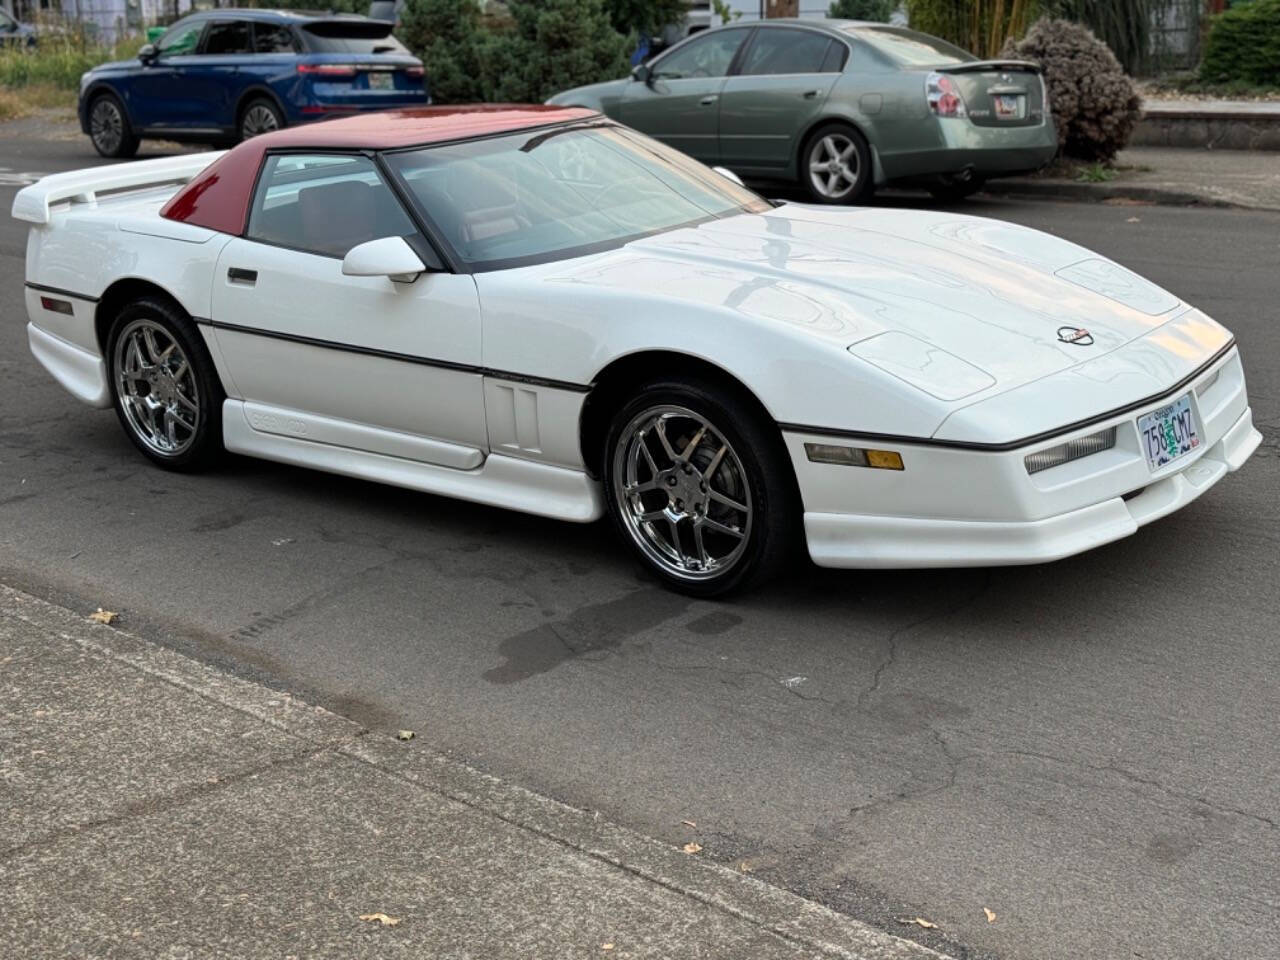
(272, 38)
(325, 204)
(837, 56)
(181, 38)
(780, 50)
(708, 56)
(227, 37)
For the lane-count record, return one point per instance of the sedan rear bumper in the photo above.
(848, 540)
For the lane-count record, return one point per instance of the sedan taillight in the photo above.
(329, 69)
(944, 99)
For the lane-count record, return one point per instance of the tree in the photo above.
(447, 36)
(553, 45)
(874, 10)
(645, 16)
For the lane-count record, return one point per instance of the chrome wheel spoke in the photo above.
(660, 427)
(722, 528)
(719, 497)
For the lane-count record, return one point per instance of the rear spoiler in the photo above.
(982, 66)
(34, 203)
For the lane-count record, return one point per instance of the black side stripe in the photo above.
(66, 293)
(1166, 394)
(400, 357)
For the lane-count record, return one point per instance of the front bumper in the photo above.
(960, 508)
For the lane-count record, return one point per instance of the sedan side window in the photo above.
(272, 38)
(708, 56)
(324, 204)
(779, 50)
(227, 37)
(182, 38)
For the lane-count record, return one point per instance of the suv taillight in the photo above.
(329, 69)
(413, 71)
(944, 99)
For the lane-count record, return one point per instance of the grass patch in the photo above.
(19, 102)
(58, 62)
(1095, 173)
(1230, 90)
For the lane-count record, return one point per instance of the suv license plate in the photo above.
(1168, 433)
(380, 80)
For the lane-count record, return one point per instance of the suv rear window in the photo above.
(353, 36)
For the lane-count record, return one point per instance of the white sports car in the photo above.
(537, 308)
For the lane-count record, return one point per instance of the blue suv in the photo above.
(226, 75)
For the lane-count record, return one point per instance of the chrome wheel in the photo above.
(834, 166)
(259, 118)
(682, 492)
(106, 125)
(156, 388)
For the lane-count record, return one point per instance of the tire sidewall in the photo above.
(862, 189)
(208, 436)
(763, 462)
(128, 145)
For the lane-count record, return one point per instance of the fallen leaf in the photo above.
(104, 616)
(919, 921)
(1134, 220)
(381, 918)
(691, 847)
(606, 946)
(991, 915)
(745, 867)
(404, 735)
(688, 823)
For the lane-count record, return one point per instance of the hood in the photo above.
(959, 307)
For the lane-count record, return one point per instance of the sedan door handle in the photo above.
(708, 101)
(239, 275)
(809, 94)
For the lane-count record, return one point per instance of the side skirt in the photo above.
(501, 481)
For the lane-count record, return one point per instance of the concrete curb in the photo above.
(1100, 192)
(811, 925)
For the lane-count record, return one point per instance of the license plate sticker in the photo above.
(1168, 433)
(380, 80)
(1008, 106)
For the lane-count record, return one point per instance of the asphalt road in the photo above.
(1088, 748)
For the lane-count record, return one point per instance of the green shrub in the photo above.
(1095, 105)
(1244, 45)
(645, 16)
(447, 36)
(59, 61)
(875, 10)
(552, 46)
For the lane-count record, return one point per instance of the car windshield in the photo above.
(561, 192)
(351, 36)
(910, 48)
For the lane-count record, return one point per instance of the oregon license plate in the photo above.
(1168, 433)
(1008, 106)
(380, 81)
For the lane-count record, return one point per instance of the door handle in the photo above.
(708, 101)
(239, 275)
(809, 94)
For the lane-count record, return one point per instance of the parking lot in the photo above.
(1086, 749)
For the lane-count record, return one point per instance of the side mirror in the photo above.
(641, 72)
(389, 257)
(148, 52)
(729, 175)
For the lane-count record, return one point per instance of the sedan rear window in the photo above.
(910, 48)
(568, 191)
(351, 36)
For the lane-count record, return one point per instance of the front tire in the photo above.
(835, 165)
(699, 485)
(164, 387)
(109, 129)
(259, 116)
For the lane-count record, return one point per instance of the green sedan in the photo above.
(838, 106)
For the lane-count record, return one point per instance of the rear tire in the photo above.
(835, 165)
(109, 129)
(164, 386)
(259, 116)
(699, 485)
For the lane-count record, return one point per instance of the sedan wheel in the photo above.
(836, 165)
(167, 394)
(698, 488)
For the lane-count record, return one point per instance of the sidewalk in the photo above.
(155, 807)
(1168, 175)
